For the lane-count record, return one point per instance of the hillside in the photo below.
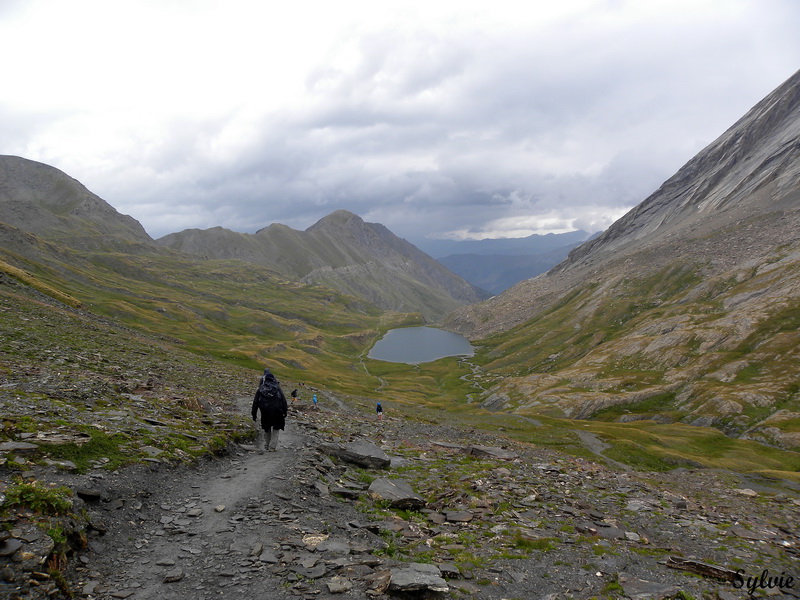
(41, 200)
(343, 252)
(127, 463)
(687, 310)
(128, 469)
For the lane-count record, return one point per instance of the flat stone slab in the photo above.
(459, 516)
(344, 492)
(640, 589)
(448, 446)
(9, 547)
(418, 577)
(360, 452)
(339, 585)
(18, 447)
(59, 438)
(492, 452)
(268, 556)
(398, 492)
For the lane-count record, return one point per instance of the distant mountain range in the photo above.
(497, 264)
(524, 246)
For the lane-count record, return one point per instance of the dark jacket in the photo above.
(270, 399)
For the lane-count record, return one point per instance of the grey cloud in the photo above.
(438, 132)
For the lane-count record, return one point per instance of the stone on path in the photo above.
(173, 576)
(397, 491)
(268, 556)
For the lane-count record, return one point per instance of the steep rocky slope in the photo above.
(343, 252)
(686, 309)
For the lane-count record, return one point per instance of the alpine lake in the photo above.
(416, 345)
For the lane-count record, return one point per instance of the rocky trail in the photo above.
(352, 507)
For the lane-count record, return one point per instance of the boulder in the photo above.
(397, 491)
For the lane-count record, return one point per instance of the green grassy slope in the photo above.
(187, 335)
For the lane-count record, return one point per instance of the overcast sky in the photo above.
(439, 119)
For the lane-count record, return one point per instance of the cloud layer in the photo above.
(463, 120)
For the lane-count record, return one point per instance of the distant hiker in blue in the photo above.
(379, 411)
(272, 403)
(315, 400)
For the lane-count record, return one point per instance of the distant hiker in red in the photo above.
(272, 403)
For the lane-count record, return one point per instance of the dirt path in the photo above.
(597, 447)
(202, 533)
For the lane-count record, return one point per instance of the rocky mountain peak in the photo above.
(343, 252)
(753, 168)
(338, 219)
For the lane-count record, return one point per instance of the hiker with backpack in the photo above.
(271, 402)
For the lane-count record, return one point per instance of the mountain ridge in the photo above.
(774, 191)
(341, 251)
(346, 253)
